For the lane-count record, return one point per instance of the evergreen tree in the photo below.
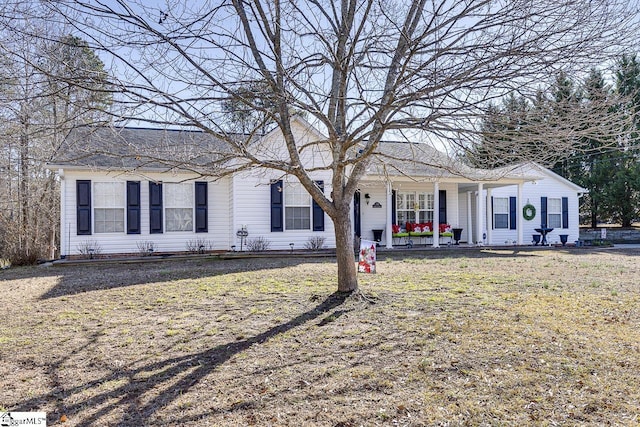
(622, 195)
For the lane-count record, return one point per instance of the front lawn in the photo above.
(547, 337)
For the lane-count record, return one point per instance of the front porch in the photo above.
(403, 212)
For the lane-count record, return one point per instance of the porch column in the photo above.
(436, 214)
(480, 214)
(469, 220)
(489, 217)
(519, 221)
(388, 231)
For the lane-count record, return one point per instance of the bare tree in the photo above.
(44, 79)
(359, 69)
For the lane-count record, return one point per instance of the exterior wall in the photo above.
(252, 206)
(250, 193)
(373, 218)
(219, 215)
(532, 192)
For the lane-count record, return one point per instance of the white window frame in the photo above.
(296, 197)
(405, 207)
(415, 207)
(426, 206)
(173, 205)
(502, 211)
(116, 205)
(555, 214)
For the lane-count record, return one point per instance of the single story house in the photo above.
(116, 197)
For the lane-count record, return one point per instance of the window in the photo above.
(108, 207)
(405, 208)
(178, 202)
(554, 213)
(425, 207)
(500, 212)
(297, 210)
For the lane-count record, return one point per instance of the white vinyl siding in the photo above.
(108, 207)
(501, 212)
(297, 203)
(554, 213)
(178, 201)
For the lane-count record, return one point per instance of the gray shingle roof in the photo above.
(128, 148)
(414, 159)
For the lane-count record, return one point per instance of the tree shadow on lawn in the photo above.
(103, 276)
(78, 279)
(157, 377)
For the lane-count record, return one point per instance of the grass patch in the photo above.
(439, 338)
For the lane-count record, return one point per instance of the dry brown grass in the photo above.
(548, 337)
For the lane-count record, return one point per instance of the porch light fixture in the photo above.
(367, 198)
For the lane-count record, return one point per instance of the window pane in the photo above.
(501, 220)
(179, 219)
(426, 216)
(297, 218)
(501, 205)
(108, 194)
(109, 220)
(178, 195)
(405, 216)
(554, 205)
(555, 220)
(296, 195)
(411, 200)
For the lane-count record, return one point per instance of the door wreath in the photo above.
(528, 212)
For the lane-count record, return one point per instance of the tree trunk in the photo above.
(24, 191)
(347, 277)
(594, 213)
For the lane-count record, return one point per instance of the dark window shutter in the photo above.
(513, 215)
(543, 212)
(201, 207)
(318, 213)
(277, 210)
(565, 212)
(393, 207)
(133, 207)
(83, 207)
(443, 206)
(357, 223)
(155, 208)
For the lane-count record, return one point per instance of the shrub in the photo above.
(145, 248)
(315, 243)
(199, 246)
(259, 244)
(89, 249)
